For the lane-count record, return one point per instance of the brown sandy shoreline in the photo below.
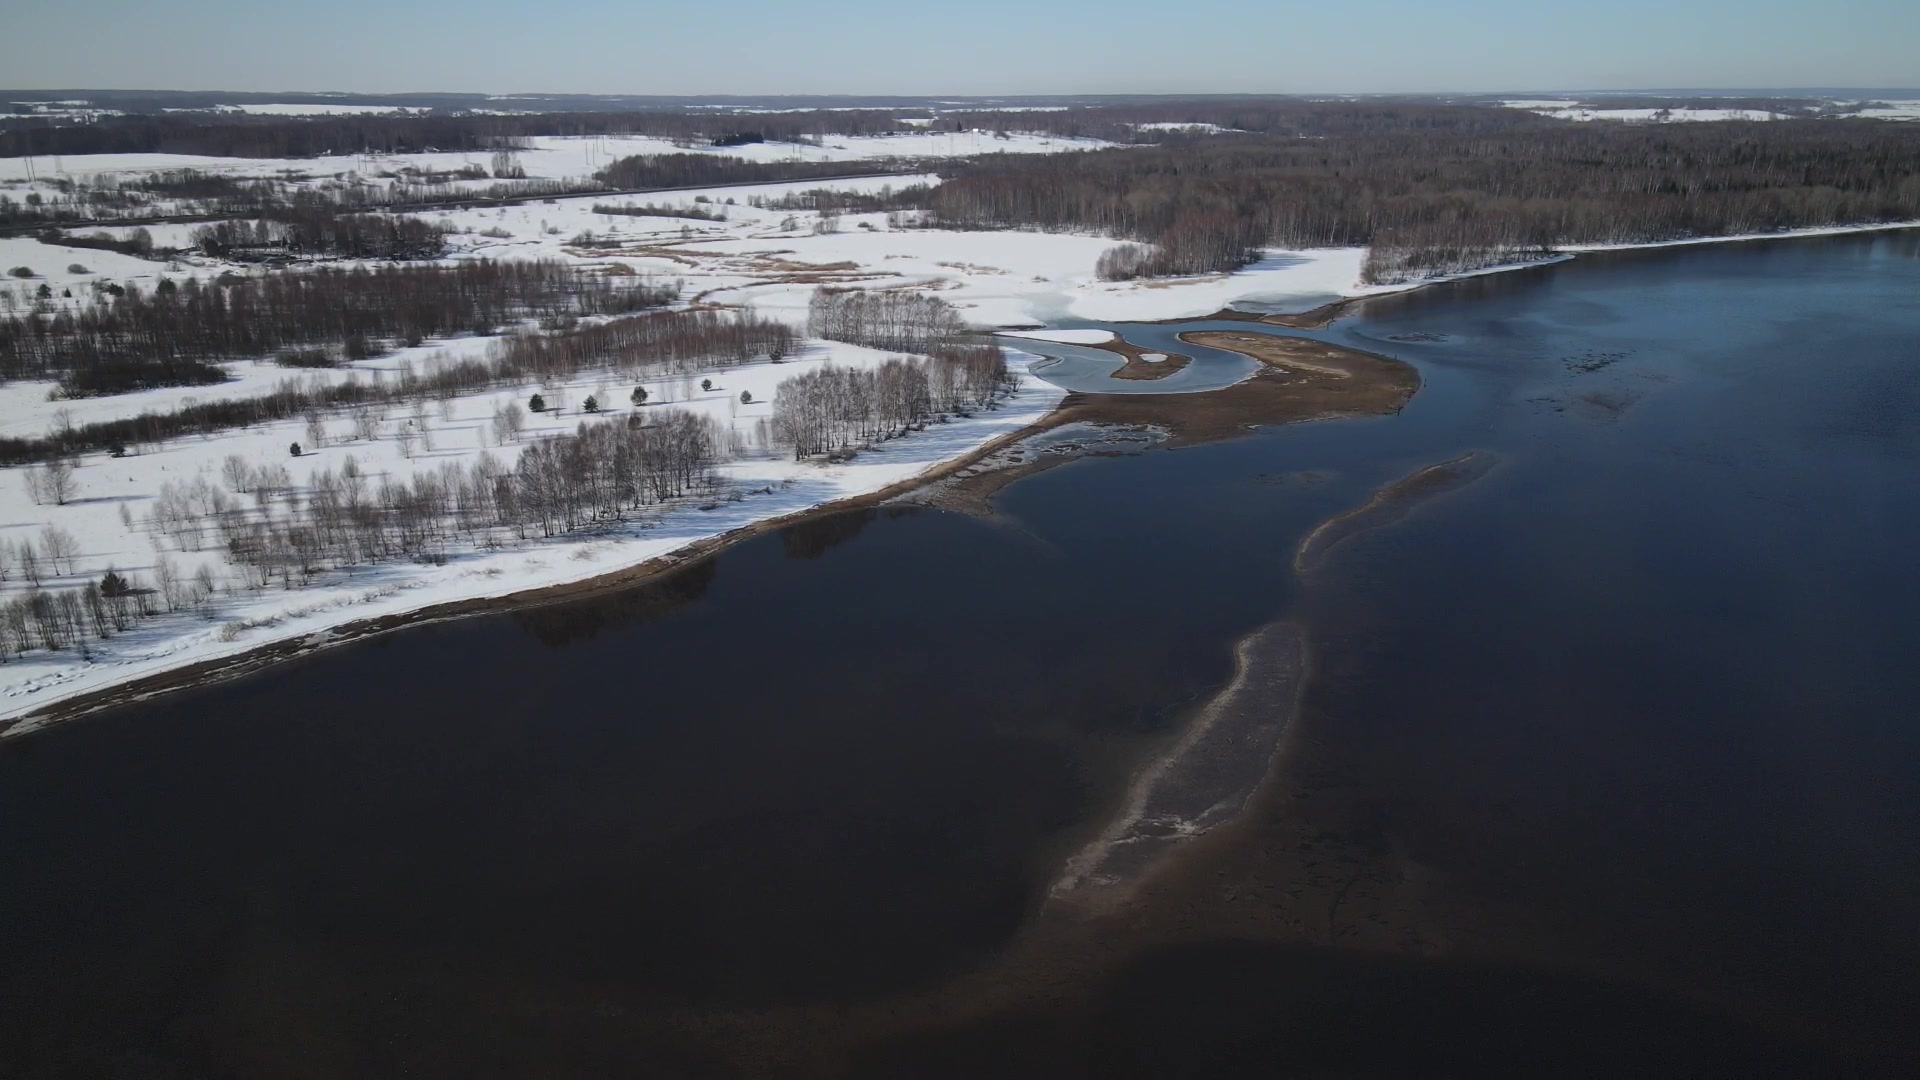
(1137, 367)
(1311, 319)
(1300, 379)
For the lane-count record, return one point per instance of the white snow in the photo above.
(1192, 128)
(49, 264)
(1064, 337)
(271, 109)
(1893, 110)
(247, 619)
(1571, 109)
(1644, 116)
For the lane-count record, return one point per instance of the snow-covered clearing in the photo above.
(768, 482)
(50, 265)
(1189, 127)
(1568, 109)
(772, 260)
(1571, 109)
(28, 406)
(291, 109)
(1673, 116)
(1892, 110)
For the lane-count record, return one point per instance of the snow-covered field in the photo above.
(771, 484)
(50, 264)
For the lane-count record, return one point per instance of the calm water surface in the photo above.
(1651, 686)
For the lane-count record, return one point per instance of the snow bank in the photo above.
(1280, 280)
(1064, 337)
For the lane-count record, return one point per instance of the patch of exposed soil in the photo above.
(1138, 366)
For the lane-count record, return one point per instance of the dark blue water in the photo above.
(1632, 717)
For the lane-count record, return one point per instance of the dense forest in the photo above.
(1435, 200)
(175, 335)
(236, 135)
(316, 231)
(830, 409)
(669, 343)
(883, 318)
(688, 170)
(229, 135)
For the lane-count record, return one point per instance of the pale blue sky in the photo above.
(959, 46)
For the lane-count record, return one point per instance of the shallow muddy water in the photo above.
(1607, 755)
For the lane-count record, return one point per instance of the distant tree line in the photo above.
(1430, 196)
(887, 199)
(164, 196)
(833, 408)
(312, 232)
(1286, 118)
(690, 170)
(672, 342)
(263, 136)
(175, 335)
(883, 318)
(695, 213)
(138, 243)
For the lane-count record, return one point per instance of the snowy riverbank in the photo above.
(770, 485)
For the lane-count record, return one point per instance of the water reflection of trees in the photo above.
(565, 624)
(814, 537)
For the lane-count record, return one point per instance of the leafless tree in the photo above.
(51, 483)
(29, 561)
(60, 548)
(238, 474)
